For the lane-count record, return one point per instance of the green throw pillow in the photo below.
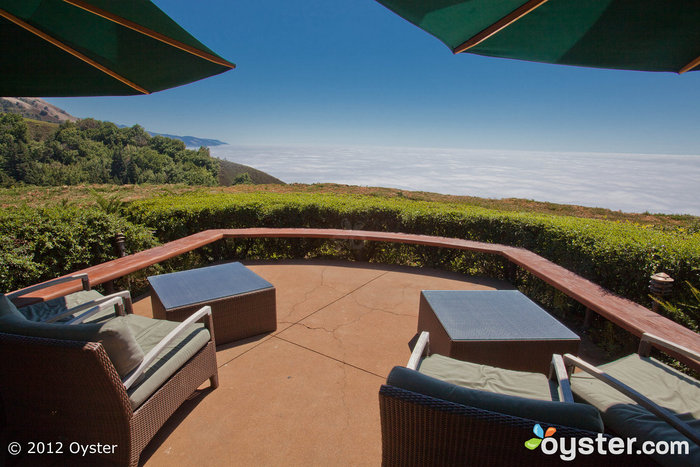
(114, 335)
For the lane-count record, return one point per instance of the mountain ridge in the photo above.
(38, 109)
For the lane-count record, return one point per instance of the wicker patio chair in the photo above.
(66, 307)
(641, 397)
(429, 421)
(73, 390)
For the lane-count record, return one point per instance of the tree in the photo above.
(243, 179)
(13, 144)
(91, 151)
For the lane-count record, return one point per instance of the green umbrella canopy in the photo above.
(649, 35)
(53, 48)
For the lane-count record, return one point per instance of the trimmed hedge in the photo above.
(618, 256)
(41, 244)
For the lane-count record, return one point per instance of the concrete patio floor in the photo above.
(306, 394)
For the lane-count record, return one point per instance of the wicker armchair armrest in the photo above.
(117, 302)
(124, 295)
(153, 354)
(639, 398)
(60, 280)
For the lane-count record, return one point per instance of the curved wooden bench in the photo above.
(630, 316)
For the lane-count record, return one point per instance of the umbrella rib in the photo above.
(70, 50)
(149, 32)
(689, 66)
(499, 25)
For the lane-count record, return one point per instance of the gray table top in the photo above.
(206, 284)
(494, 315)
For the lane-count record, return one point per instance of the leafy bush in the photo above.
(40, 244)
(617, 255)
(620, 256)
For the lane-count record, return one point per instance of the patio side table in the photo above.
(243, 304)
(500, 328)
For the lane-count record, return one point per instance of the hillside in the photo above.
(191, 141)
(40, 110)
(36, 109)
(89, 151)
(38, 130)
(229, 172)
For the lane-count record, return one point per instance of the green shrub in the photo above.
(617, 255)
(37, 244)
(40, 244)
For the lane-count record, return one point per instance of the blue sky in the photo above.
(344, 72)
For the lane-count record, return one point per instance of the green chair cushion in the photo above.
(574, 415)
(489, 378)
(149, 332)
(665, 386)
(7, 308)
(114, 335)
(44, 310)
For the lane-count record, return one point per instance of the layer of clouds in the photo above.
(626, 182)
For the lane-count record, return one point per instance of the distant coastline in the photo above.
(654, 183)
(191, 141)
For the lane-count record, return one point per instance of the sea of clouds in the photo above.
(626, 182)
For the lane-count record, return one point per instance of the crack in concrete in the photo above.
(312, 328)
(343, 296)
(345, 364)
(313, 291)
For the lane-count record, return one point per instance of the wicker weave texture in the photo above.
(419, 430)
(153, 414)
(235, 317)
(532, 354)
(67, 391)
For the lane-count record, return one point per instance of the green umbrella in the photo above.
(650, 35)
(97, 47)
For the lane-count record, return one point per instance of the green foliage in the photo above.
(13, 146)
(91, 151)
(40, 244)
(109, 204)
(243, 179)
(620, 256)
(686, 312)
(37, 244)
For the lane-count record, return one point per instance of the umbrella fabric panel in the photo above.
(452, 21)
(55, 74)
(624, 34)
(634, 35)
(147, 14)
(147, 62)
(665, 37)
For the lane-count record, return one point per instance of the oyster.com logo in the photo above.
(534, 443)
(569, 447)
